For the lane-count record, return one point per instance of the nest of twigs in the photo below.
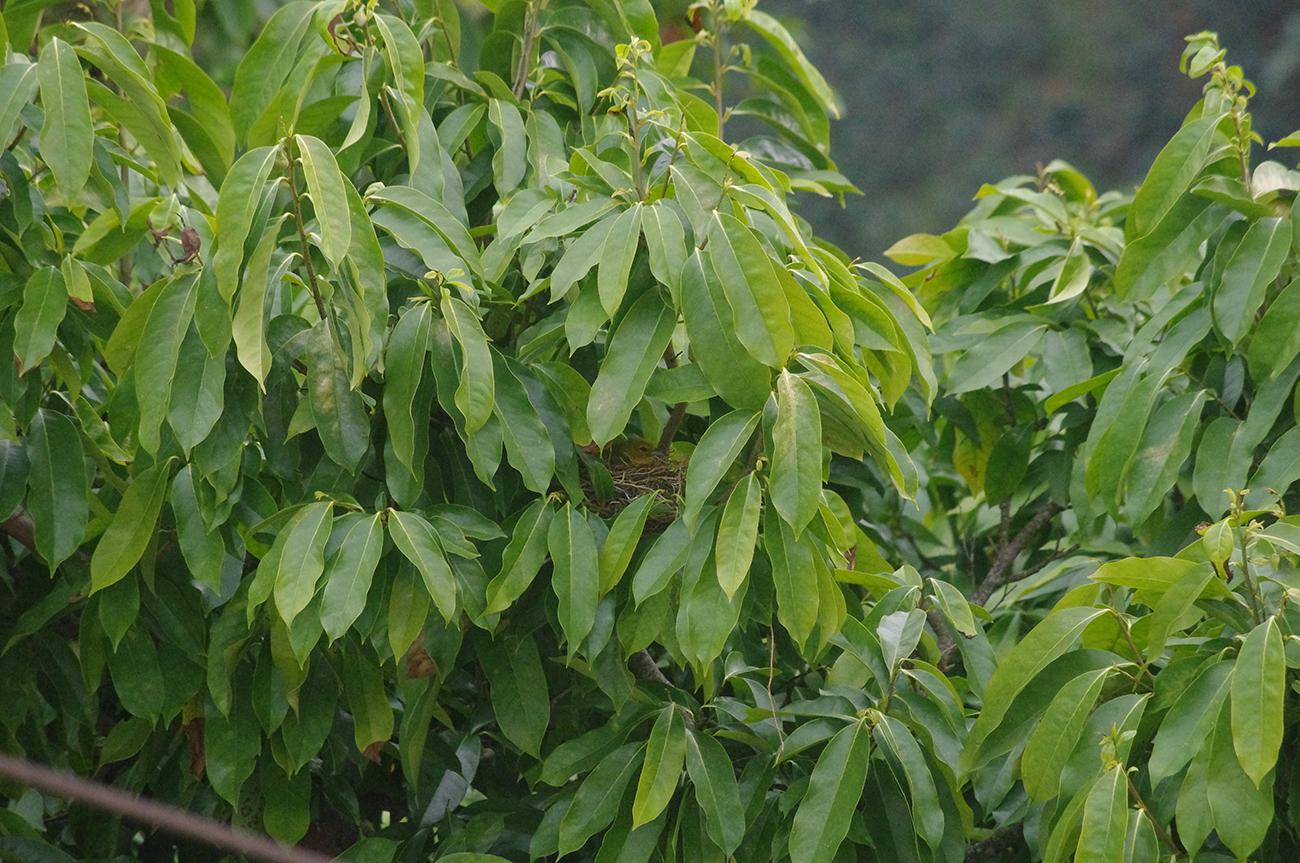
(612, 483)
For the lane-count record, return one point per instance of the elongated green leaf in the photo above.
(990, 358)
(927, 814)
(527, 440)
(741, 380)
(744, 269)
(405, 58)
(595, 805)
(67, 138)
(510, 161)
(520, 697)
(57, 486)
(834, 788)
(45, 302)
(716, 791)
(738, 533)
(416, 539)
(1242, 808)
(241, 192)
(336, 408)
(523, 557)
(665, 755)
(1058, 733)
(575, 574)
(133, 524)
(794, 576)
(248, 327)
(1044, 643)
(302, 559)
(1105, 819)
(1189, 722)
(326, 185)
(404, 364)
(634, 350)
(616, 554)
(796, 483)
(17, 87)
(1258, 696)
(363, 688)
(775, 33)
(662, 561)
(349, 572)
(1175, 167)
(1254, 265)
(717, 450)
(616, 257)
(475, 393)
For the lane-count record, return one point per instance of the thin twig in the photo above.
(1000, 572)
(164, 817)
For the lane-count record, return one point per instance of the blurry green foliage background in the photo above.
(943, 95)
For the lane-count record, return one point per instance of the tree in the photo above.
(479, 460)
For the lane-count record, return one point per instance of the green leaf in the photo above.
(927, 814)
(522, 558)
(714, 454)
(67, 137)
(955, 606)
(794, 575)
(475, 393)
(58, 486)
(408, 609)
(416, 539)
(248, 327)
(716, 791)
(738, 533)
(575, 574)
(822, 820)
(616, 259)
(780, 39)
(634, 350)
(1105, 819)
(363, 688)
(985, 363)
(665, 756)
(350, 571)
(1254, 265)
(127, 536)
(203, 549)
(157, 356)
(237, 202)
(665, 240)
(744, 269)
(17, 87)
(13, 476)
(1044, 643)
(1074, 275)
(527, 440)
(662, 561)
(520, 697)
(1258, 696)
(404, 362)
(326, 185)
(1189, 722)
(302, 559)
(404, 56)
(741, 380)
(1172, 173)
(595, 805)
(510, 160)
(1242, 809)
(45, 302)
(616, 554)
(1058, 734)
(796, 481)
(336, 408)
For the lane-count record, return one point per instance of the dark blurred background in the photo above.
(943, 95)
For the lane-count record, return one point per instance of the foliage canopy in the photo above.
(480, 460)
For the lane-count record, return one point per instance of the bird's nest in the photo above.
(613, 484)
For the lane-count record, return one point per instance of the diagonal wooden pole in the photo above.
(162, 816)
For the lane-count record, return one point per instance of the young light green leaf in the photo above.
(1258, 696)
(665, 756)
(416, 539)
(1175, 167)
(822, 820)
(796, 482)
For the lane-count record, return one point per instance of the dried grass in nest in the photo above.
(629, 479)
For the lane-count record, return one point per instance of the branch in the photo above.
(167, 818)
(993, 847)
(644, 666)
(19, 527)
(1000, 573)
